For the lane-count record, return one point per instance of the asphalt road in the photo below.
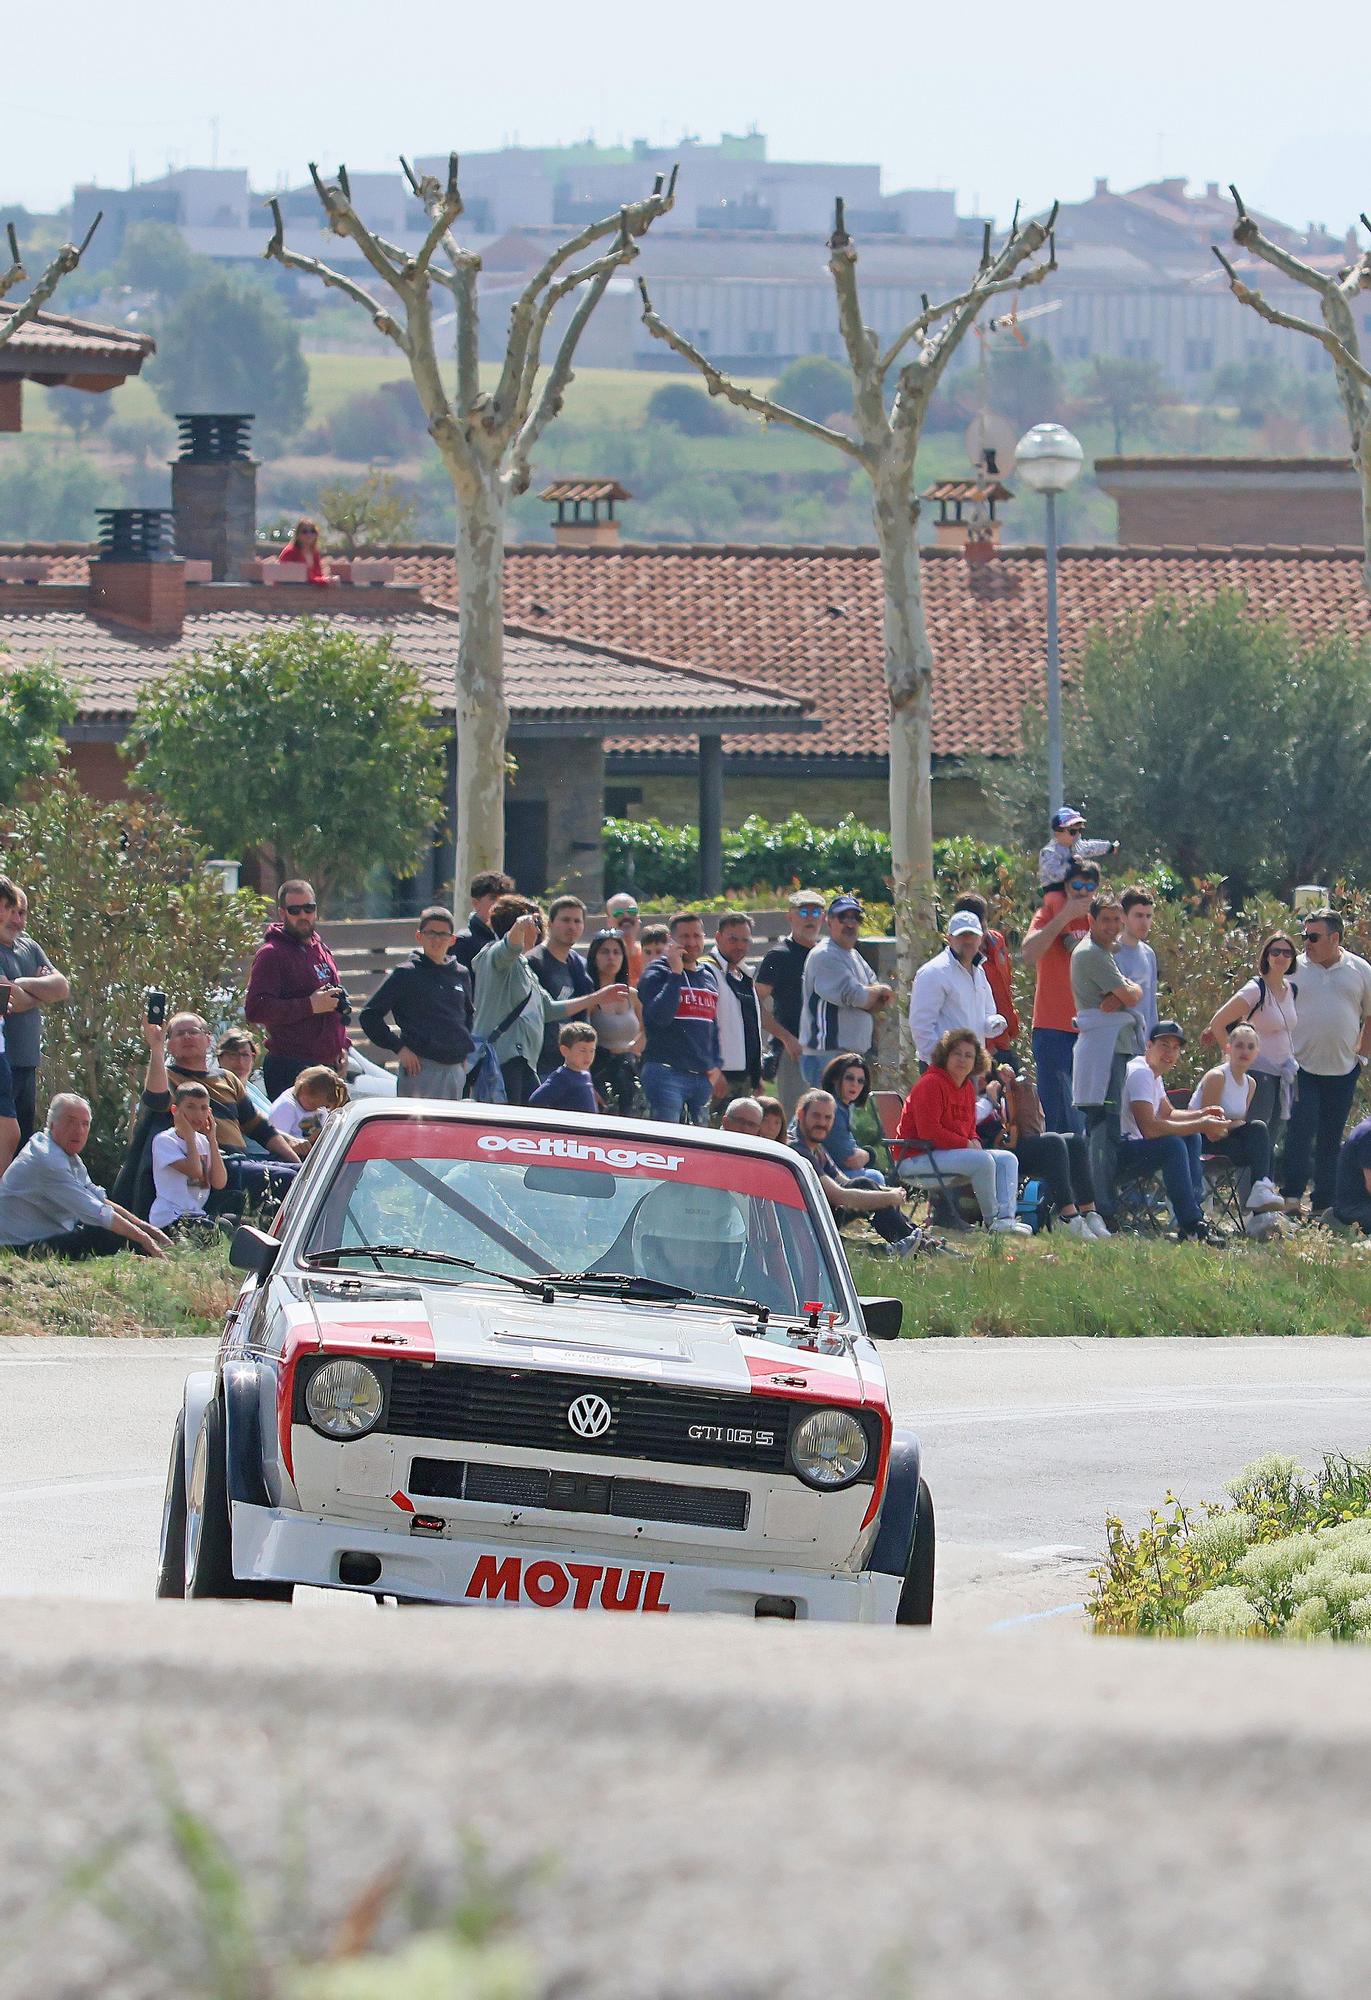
(1028, 1444)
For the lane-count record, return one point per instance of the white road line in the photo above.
(1035, 1617)
(71, 1488)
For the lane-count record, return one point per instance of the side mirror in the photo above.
(253, 1250)
(883, 1317)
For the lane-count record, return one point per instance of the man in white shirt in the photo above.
(1154, 1135)
(1330, 1041)
(952, 991)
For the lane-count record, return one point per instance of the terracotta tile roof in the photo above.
(585, 489)
(808, 620)
(50, 339)
(550, 679)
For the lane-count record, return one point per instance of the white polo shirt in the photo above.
(1334, 1003)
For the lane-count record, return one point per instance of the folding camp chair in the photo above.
(1133, 1201)
(947, 1193)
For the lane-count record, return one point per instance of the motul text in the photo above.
(578, 1586)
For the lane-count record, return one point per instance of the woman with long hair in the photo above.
(1267, 1003)
(618, 1021)
(936, 1136)
(303, 547)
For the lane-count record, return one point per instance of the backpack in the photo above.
(485, 1079)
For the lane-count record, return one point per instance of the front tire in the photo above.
(171, 1555)
(916, 1598)
(209, 1524)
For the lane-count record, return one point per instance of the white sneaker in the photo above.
(909, 1246)
(1077, 1226)
(1094, 1222)
(1008, 1226)
(1263, 1199)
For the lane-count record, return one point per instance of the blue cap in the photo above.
(843, 906)
(1066, 816)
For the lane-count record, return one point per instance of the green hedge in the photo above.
(656, 860)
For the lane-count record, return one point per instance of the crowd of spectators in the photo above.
(518, 1006)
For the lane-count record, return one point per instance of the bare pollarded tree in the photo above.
(1335, 291)
(486, 438)
(889, 418)
(66, 260)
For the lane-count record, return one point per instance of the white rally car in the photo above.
(491, 1356)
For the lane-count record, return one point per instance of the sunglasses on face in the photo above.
(301, 909)
(1281, 951)
(810, 910)
(1313, 937)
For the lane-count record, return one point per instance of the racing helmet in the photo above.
(692, 1236)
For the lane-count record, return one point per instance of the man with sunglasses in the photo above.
(295, 993)
(626, 918)
(780, 993)
(1330, 1041)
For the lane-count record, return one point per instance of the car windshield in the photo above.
(534, 1202)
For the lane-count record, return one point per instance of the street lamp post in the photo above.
(1050, 458)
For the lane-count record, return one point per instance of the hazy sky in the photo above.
(996, 100)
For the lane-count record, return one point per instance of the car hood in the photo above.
(686, 1346)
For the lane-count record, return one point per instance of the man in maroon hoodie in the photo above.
(294, 992)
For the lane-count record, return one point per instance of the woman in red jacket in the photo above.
(303, 547)
(936, 1135)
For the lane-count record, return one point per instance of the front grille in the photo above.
(528, 1407)
(577, 1493)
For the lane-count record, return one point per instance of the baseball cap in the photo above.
(1165, 1028)
(1066, 816)
(806, 899)
(845, 906)
(964, 921)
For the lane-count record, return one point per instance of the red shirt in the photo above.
(293, 553)
(999, 973)
(937, 1112)
(1054, 1004)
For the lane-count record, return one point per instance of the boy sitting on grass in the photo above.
(570, 1088)
(186, 1162)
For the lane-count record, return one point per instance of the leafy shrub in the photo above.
(35, 704)
(693, 412)
(815, 386)
(772, 858)
(385, 422)
(120, 900)
(365, 513)
(1291, 1560)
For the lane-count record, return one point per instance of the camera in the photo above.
(344, 1007)
(155, 1006)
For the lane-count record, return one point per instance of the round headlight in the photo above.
(829, 1448)
(343, 1399)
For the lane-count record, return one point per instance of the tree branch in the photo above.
(444, 205)
(858, 339)
(603, 267)
(641, 215)
(1247, 295)
(518, 472)
(66, 259)
(1246, 232)
(294, 260)
(744, 399)
(344, 220)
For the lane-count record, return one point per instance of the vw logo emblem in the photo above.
(590, 1416)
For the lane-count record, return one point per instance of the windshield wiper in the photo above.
(539, 1287)
(653, 1290)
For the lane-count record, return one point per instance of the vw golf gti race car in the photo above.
(490, 1356)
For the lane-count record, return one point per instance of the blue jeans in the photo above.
(670, 1092)
(1053, 1050)
(1317, 1118)
(1178, 1156)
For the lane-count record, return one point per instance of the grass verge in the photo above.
(1048, 1287)
(119, 1297)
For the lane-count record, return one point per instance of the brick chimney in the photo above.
(136, 579)
(585, 512)
(214, 493)
(966, 514)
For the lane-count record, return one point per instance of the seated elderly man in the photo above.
(49, 1202)
(743, 1115)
